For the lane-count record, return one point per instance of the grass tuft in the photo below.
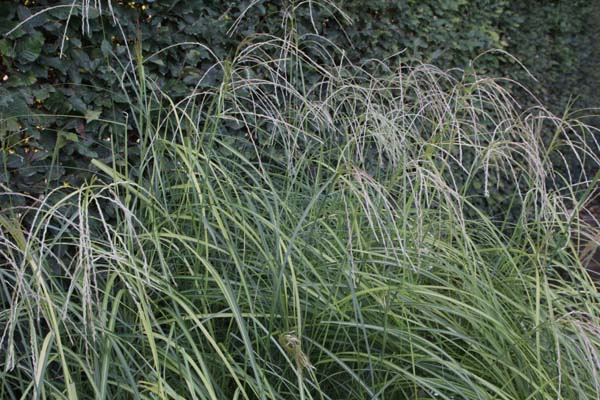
(333, 250)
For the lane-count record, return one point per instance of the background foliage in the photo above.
(556, 40)
(57, 113)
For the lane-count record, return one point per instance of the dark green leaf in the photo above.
(30, 47)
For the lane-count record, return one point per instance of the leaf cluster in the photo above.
(69, 75)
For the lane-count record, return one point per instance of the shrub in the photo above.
(55, 111)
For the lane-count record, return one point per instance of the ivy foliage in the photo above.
(558, 42)
(64, 102)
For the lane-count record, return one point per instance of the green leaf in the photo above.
(15, 161)
(85, 151)
(81, 58)
(6, 49)
(42, 93)
(78, 104)
(12, 125)
(64, 137)
(157, 61)
(106, 48)
(42, 359)
(57, 103)
(54, 62)
(30, 47)
(91, 115)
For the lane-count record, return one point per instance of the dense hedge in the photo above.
(558, 42)
(56, 113)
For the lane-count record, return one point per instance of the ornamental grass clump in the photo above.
(333, 250)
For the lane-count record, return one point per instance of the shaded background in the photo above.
(52, 109)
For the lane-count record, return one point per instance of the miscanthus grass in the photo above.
(330, 251)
